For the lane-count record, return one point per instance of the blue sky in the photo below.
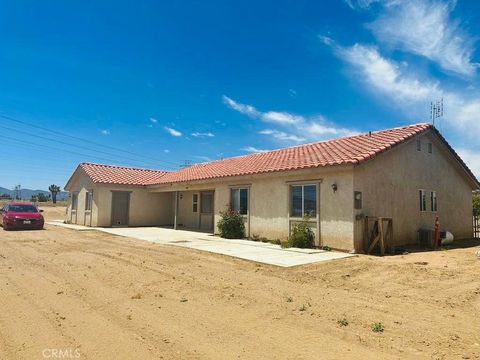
(161, 82)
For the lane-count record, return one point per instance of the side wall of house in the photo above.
(80, 186)
(390, 186)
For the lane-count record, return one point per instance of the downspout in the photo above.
(175, 212)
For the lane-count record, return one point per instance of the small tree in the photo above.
(302, 235)
(54, 189)
(476, 205)
(231, 224)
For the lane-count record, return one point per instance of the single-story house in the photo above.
(410, 174)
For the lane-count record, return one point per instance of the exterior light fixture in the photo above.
(334, 187)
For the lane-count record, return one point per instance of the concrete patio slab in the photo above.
(244, 249)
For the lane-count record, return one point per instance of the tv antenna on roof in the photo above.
(436, 110)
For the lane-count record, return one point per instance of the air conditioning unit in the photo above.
(426, 237)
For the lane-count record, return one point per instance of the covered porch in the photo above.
(192, 210)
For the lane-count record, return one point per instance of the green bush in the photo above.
(302, 235)
(231, 225)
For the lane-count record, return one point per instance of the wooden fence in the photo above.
(476, 226)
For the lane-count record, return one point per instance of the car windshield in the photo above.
(22, 208)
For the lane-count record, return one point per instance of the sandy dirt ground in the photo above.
(99, 296)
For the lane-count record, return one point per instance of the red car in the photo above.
(16, 215)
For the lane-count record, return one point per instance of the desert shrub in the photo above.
(378, 327)
(231, 225)
(302, 235)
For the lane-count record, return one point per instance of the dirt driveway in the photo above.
(106, 297)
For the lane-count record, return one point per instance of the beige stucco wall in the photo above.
(269, 202)
(145, 209)
(390, 185)
(81, 184)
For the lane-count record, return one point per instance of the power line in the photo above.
(54, 148)
(68, 144)
(84, 140)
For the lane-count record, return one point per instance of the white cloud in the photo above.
(425, 28)
(241, 108)
(412, 94)
(252, 149)
(204, 158)
(200, 134)
(360, 3)
(269, 116)
(281, 117)
(292, 93)
(173, 132)
(318, 128)
(105, 132)
(153, 120)
(472, 159)
(166, 151)
(281, 135)
(385, 75)
(299, 128)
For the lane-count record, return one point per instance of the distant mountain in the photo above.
(27, 193)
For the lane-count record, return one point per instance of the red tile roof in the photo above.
(342, 151)
(110, 174)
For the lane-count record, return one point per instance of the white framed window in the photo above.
(88, 200)
(433, 201)
(303, 200)
(423, 200)
(239, 200)
(195, 203)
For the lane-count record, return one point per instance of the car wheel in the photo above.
(5, 227)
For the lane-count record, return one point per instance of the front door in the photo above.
(206, 210)
(120, 205)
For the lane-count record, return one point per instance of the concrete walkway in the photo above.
(244, 249)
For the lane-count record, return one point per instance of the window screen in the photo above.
(74, 201)
(433, 201)
(239, 200)
(357, 196)
(88, 200)
(423, 200)
(303, 200)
